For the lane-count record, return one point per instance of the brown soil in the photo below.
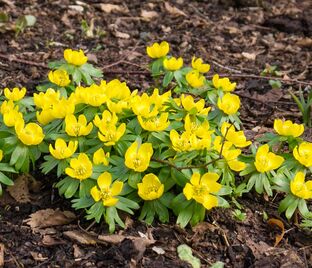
(238, 40)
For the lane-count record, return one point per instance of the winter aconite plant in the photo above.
(177, 148)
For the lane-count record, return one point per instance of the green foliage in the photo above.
(175, 150)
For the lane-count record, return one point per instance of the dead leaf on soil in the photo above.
(174, 10)
(1, 255)
(49, 241)
(279, 224)
(249, 56)
(272, 95)
(19, 191)
(108, 8)
(148, 15)
(49, 217)
(158, 250)
(305, 42)
(78, 252)
(80, 237)
(37, 256)
(121, 35)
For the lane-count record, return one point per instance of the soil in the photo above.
(237, 38)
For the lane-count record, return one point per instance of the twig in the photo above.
(225, 67)
(12, 58)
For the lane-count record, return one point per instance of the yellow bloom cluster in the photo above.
(300, 188)
(229, 103)
(29, 134)
(267, 161)
(62, 150)
(1, 155)
(157, 50)
(201, 189)
(288, 128)
(223, 83)
(106, 191)
(138, 156)
(16, 94)
(303, 153)
(80, 167)
(75, 57)
(59, 77)
(173, 64)
(52, 106)
(150, 188)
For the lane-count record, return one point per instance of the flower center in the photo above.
(81, 170)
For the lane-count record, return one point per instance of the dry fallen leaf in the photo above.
(1, 255)
(148, 15)
(279, 224)
(121, 35)
(249, 56)
(108, 8)
(80, 237)
(37, 256)
(49, 241)
(19, 191)
(78, 252)
(174, 10)
(49, 217)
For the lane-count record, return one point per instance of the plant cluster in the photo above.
(177, 147)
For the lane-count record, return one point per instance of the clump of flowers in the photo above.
(178, 149)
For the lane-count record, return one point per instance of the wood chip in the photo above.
(174, 10)
(148, 15)
(108, 8)
(1, 255)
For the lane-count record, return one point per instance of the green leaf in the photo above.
(285, 203)
(291, 209)
(303, 208)
(88, 68)
(161, 211)
(179, 177)
(7, 168)
(167, 78)
(30, 20)
(185, 254)
(185, 215)
(134, 178)
(82, 202)
(218, 264)
(5, 180)
(267, 185)
(77, 75)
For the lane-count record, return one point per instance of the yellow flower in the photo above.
(138, 157)
(1, 155)
(189, 105)
(116, 90)
(230, 155)
(300, 188)
(59, 77)
(11, 117)
(200, 129)
(45, 116)
(76, 128)
(199, 144)
(75, 57)
(195, 79)
(106, 191)
(157, 50)
(45, 100)
(31, 134)
(236, 137)
(288, 128)
(200, 189)
(16, 94)
(62, 150)
(180, 143)
(150, 188)
(63, 107)
(223, 83)
(8, 106)
(157, 123)
(143, 106)
(173, 63)
(80, 168)
(303, 153)
(267, 161)
(99, 157)
(111, 134)
(197, 64)
(95, 95)
(108, 119)
(117, 107)
(229, 103)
